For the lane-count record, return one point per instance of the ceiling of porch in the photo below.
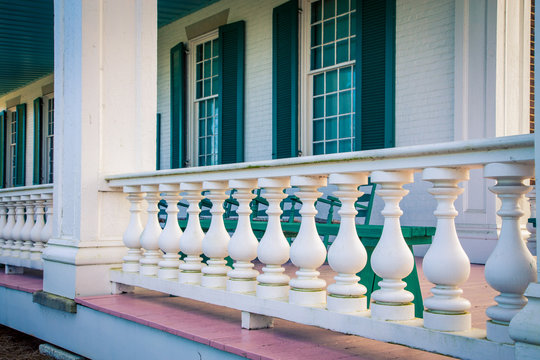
(26, 37)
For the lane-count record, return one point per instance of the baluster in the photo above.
(150, 235)
(347, 256)
(273, 250)
(16, 231)
(27, 229)
(216, 240)
(132, 235)
(35, 233)
(445, 264)
(3, 221)
(191, 239)
(307, 250)
(6, 233)
(392, 259)
(531, 241)
(46, 233)
(510, 267)
(243, 244)
(169, 240)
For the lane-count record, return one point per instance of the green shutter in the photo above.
(285, 80)
(20, 147)
(3, 120)
(178, 106)
(231, 92)
(38, 136)
(158, 141)
(375, 69)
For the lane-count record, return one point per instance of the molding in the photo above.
(206, 25)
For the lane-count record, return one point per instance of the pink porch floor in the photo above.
(219, 327)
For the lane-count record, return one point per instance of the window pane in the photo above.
(329, 55)
(331, 81)
(207, 50)
(209, 108)
(344, 126)
(316, 35)
(209, 146)
(207, 88)
(215, 85)
(353, 23)
(202, 129)
(318, 84)
(353, 47)
(202, 109)
(318, 148)
(316, 58)
(345, 102)
(215, 67)
(331, 105)
(215, 50)
(199, 74)
(345, 78)
(318, 107)
(331, 147)
(331, 128)
(342, 30)
(329, 31)
(345, 145)
(342, 54)
(318, 130)
(316, 11)
(207, 69)
(210, 127)
(202, 144)
(342, 6)
(199, 52)
(329, 8)
(199, 89)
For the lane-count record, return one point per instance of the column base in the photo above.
(447, 322)
(498, 332)
(272, 291)
(36, 264)
(392, 312)
(214, 281)
(315, 298)
(131, 267)
(193, 278)
(244, 286)
(168, 273)
(526, 351)
(346, 304)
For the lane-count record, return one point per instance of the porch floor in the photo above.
(219, 327)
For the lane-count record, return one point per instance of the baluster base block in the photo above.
(26, 262)
(346, 305)
(392, 312)
(498, 332)
(148, 270)
(243, 286)
(193, 278)
(36, 264)
(307, 298)
(273, 291)
(214, 281)
(447, 322)
(168, 273)
(131, 267)
(252, 321)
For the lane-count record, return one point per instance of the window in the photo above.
(48, 140)
(11, 153)
(205, 108)
(12, 146)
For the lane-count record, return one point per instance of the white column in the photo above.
(3, 221)
(10, 222)
(510, 267)
(273, 250)
(217, 238)
(347, 255)
(169, 240)
(46, 233)
(150, 235)
(445, 263)
(191, 239)
(243, 244)
(392, 259)
(133, 232)
(105, 123)
(26, 230)
(307, 250)
(531, 241)
(35, 233)
(16, 231)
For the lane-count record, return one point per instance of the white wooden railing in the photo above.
(152, 261)
(24, 226)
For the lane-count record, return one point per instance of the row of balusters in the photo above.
(154, 252)
(25, 228)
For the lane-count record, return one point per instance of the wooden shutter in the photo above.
(285, 80)
(375, 74)
(20, 147)
(3, 120)
(231, 92)
(178, 106)
(38, 137)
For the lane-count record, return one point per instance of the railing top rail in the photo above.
(469, 153)
(27, 190)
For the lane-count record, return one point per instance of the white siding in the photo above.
(28, 94)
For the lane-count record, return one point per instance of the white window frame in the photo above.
(192, 137)
(305, 81)
(46, 171)
(11, 114)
